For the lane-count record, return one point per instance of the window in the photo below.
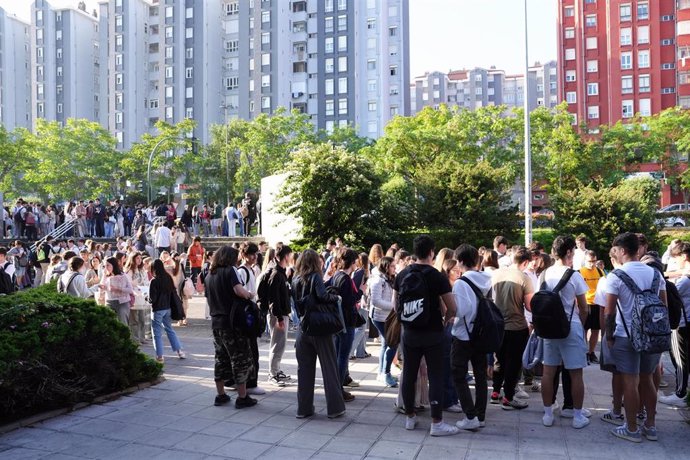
(118, 21)
(39, 16)
(627, 85)
(119, 98)
(342, 43)
(626, 36)
(643, 59)
(592, 66)
(342, 85)
(232, 46)
(670, 90)
(328, 6)
(330, 107)
(189, 72)
(371, 106)
(591, 20)
(232, 8)
(168, 72)
(266, 81)
(39, 52)
(265, 17)
(329, 25)
(189, 112)
(371, 23)
(153, 104)
(58, 35)
(667, 18)
(169, 113)
(683, 78)
(342, 23)
(118, 117)
(626, 61)
(266, 102)
(342, 64)
(118, 79)
(393, 31)
(570, 54)
(569, 11)
(592, 89)
(628, 110)
(569, 32)
(232, 82)
(570, 75)
(371, 86)
(329, 65)
(168, 52)
(189, 53)
(329, 86)
(593, 112)
(189, 32)
(642, 35)
(266, 38)
(393, 50)
(169, 92)
(342, 106)
(40, 107)
(668, 66)
(168, 11)
(328, 44)
(642, 10)
(626, 12)
(298, 27)
(393, 70)
(644, 83)
(58, 53)
(342, 5)
(591, 43)
(667, 41)
(39, 91)
(189, 92)
(372, 128)
(571, 97)
(266, 59)
(118, 60)
(645, 107)
(189, 13)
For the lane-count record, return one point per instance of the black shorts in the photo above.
(593, 318)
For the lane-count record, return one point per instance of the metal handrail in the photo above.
(59, 231)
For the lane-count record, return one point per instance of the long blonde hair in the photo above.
(443, 255)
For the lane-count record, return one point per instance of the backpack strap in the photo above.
(655, 282)
(564, 280)
(479, 295)
(625, 326)
(246, 270)
(625, 278)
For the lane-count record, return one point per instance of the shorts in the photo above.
(592, 321)
(570, 352)
(629, 361)
(605, 359)
(233, 360)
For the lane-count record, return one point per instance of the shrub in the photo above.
(58, 350)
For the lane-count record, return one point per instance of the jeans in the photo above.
(461, 354)
(160, 320)
(450, 395)
(359, 341)
(387, 353)
(90, 227)
(343, 344)
(509, 362)
(109, 229)
(428, 344)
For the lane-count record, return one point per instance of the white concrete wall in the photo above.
(274, 225)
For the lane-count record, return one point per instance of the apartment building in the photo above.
(15, 81)
(66, 70)
(618, 58)
(478, 87)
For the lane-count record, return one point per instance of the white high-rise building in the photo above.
(15, 81)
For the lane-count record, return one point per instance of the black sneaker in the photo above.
(282, 377)
(247, 401)
(221, 399)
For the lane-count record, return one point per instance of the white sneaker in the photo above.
(410, 422)
(586, 412)
(520, 393)
(256, 391)
(580, 422)
(673, 400)
(570, 413)
(455, 408)
(547, 420)
(468, 423)
(443, 429)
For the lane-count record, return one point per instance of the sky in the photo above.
(451, 34)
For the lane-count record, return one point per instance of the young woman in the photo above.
(161, 291)
(134, 269)
(308, 281)
(93, 274)
(381, 292)
(117, 289)
(177, 274)
(360, 278)
(375, 254)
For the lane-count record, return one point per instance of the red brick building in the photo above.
(618, 58)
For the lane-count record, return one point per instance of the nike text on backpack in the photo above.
(650, 329)
(414, 299)
(548, 314)
(488, 325)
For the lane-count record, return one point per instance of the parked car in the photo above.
(672, 221)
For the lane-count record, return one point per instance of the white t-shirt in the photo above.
(683, 285)
(574, 287)
(249, 284)
(642, 275)
(535, 284)
(578, 259)
(600, 293)
(467, 302)
(163, 237)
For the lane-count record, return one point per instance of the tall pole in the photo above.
(227, 161)
(153, 152)
(528, 153)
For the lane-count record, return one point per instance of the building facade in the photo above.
(619, 58)
(15, 81)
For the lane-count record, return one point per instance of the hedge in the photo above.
(57, 350)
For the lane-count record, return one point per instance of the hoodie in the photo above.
(467, 302)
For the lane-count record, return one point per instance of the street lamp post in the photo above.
(528, 153)
(224, 106)
(153, 152)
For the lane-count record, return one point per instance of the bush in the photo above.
(59, 350)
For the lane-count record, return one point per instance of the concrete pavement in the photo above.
(177, 419)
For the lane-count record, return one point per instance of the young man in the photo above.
(636, 368)
(570, 351)
(195, 255)
(513, 292)
(501, 247)
(162, 239)
(591, 274)
(279, 311)
(580, 254)
(680, 339)
(463, 351)
(426, 341)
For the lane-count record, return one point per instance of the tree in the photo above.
(15, 159)
(77, 160)
(332, 191)
(671, 131)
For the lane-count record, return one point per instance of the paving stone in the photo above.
(305, 440)
(288, 453)
(265, 434)
(22, 453)
(397, 449)
(201, 443)
(348, 446)
(242, 449)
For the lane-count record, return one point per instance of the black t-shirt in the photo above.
(221, 295)
(438, 285)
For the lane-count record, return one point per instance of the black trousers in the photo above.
(509, 362)
(567, 387)
(429, 345)
(680, 357)
(462, 353)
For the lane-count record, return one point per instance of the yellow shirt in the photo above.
(591, 277)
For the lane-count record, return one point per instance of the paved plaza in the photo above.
(177, 420)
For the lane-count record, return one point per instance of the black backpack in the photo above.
(488, 325)
(675, 304)
(414, 299)
(6, 283)
(262, 290)
(548, 315)
(246, 318)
